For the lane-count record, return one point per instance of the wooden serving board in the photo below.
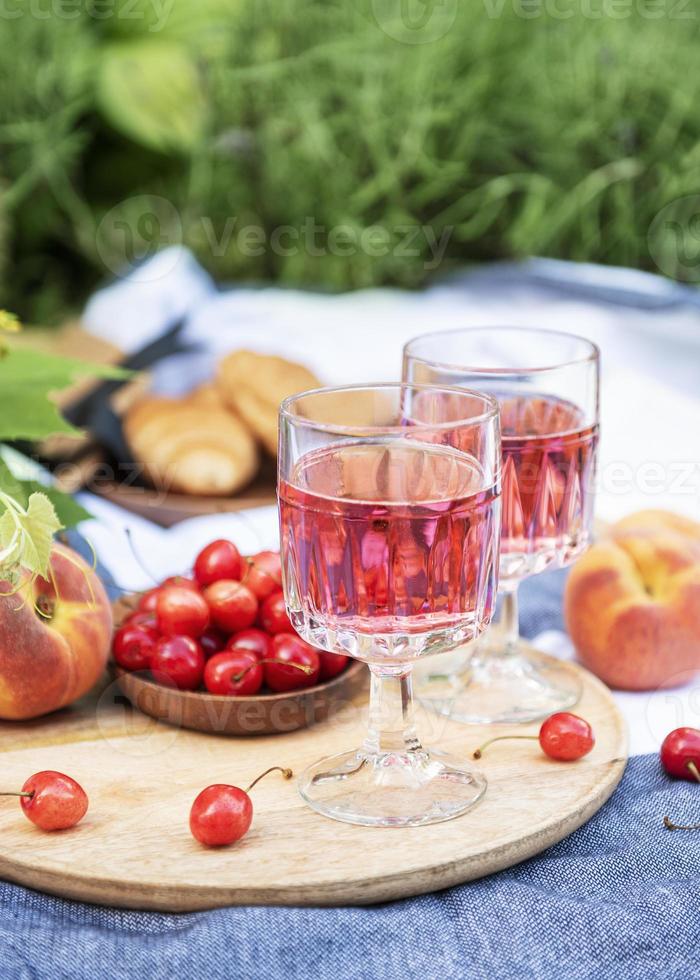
(134, 849)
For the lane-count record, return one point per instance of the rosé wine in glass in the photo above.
(548, 468)
(546, 384)
(389, 502)
(389, 538)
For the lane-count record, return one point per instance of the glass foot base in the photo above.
(391, 789)
(502, 687)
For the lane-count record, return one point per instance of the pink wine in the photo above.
(548, 472)
(389, 538)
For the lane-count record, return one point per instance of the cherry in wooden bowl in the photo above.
(261, 714)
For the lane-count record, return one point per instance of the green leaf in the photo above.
(26, 534)
(38, 526)
(26, 379)
(150, 91)
(68, 510)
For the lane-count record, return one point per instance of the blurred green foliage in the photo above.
(519, 131)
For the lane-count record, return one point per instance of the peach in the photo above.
(55, 637)
(632, 603)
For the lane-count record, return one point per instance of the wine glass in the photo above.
(546, 384)
(389, 501)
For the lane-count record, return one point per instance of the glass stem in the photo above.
(508, 620)
(391, 725)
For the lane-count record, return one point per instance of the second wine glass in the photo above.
(546, 384)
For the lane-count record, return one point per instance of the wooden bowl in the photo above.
(216, 714)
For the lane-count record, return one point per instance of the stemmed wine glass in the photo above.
(389, 500)
(546, 384)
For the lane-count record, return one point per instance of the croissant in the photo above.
(253, 385)
(191, 445)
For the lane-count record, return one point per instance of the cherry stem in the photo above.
(500, 738)
(28, 795)
(272, 660)
(287, 773)
(668, 823)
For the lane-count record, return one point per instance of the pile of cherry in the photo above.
(225, 629)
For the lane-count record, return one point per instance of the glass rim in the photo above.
(593, 353)
(492, 410)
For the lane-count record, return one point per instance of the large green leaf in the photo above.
(26, 379)
(151, 91)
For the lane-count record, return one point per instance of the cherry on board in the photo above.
(222, 814)
(563, 736)
(52, 800)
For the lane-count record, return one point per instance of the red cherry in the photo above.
(219, 560)
(562, 736)
(147, 602)
(291, 649)
(133, 646)
(566, 737)
(142, 619)
(222, 814)
(234, 672)
(254, 640)
(232, 605)
(273, 615)
(178, 661)
(680, 754)
(181, 612)
(332, 664)
(211, 641)
(264, 574)
(52, 800)
(182, 581)
(680, 757)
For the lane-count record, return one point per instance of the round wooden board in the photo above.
(134, 848)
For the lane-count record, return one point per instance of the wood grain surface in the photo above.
(134, 848)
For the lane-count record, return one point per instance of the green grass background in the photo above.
(519, 131)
